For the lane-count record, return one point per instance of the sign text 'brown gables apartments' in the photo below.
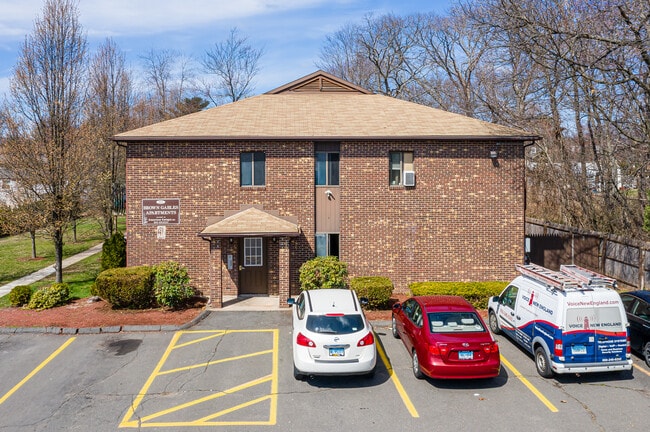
(161, 211)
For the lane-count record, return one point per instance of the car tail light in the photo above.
(368, 339)
(439, 349)
(334, 314)
(303, 340)
(491, 348)
(558, 348)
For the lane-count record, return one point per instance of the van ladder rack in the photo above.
(551, 278)
(588, 277)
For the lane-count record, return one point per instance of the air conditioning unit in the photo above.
(409, 178)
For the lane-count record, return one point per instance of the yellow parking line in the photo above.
(527, 383)
(641, 369)
(214, 362)
(397, 383)
(35, 371)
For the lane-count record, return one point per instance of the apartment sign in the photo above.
(161, 211)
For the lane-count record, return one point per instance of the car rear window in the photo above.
(335, 324)
(448, 322)
(597, 318)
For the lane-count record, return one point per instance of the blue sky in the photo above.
(290, 31)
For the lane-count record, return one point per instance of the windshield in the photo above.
(447, 322)
(598, 318)
(335, 324)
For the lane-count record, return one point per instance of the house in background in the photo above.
(243, 194)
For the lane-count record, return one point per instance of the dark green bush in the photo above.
(376, 289)
(114, 252)
(49, 297)
(172, 284)
(477, 293)
(126, 287)
(20, 295)
(323, 272)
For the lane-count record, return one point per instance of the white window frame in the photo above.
(253, 251)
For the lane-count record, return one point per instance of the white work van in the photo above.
(572, 321)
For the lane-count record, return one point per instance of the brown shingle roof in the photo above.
(291, 114)
(251, 221)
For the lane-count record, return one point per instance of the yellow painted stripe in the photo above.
(273, 414)
(396, 382)
(527, 383)
(639, 368)
(205, 420)
(203, 339)
(136, 402)
(214, 362)
(35, 371)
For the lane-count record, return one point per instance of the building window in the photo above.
(253, 169)
(253, 252)
(399, 162)
(327, 169)
(327, 245)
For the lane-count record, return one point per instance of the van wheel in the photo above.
(416, 366)
(494, 323)
(543, 364)
(394, 328)
(646, 353)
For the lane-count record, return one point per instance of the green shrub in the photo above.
(376, 289)
(20, 295)
(172, 284)
(126, 287)
(49, 297)
(477, 293)
(114, 252)
(323, 272)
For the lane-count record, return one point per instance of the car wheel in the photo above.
(646, 353)
(394, 325)
(542, 363)
(297, 375)
(494, 323)
(416, 366)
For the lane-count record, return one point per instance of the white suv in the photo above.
(331, 335)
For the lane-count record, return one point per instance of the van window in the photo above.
(509, 296)
(600, 318)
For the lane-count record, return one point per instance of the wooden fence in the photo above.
(626, 260)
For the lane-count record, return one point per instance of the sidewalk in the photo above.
(49, 270)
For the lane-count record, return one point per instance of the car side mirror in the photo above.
(397, 306)
(495, 299)
(364, 301)
(291, 301)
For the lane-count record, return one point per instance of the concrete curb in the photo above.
(107, 329)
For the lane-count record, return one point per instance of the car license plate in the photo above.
(578, 349)
(337, 352)
(465, 355)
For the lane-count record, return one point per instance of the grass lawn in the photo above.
(16, 251)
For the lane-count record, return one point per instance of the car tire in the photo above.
(297, 375)
(646, 353)
(394, 327)
(493, 322)
(416, 366)
(542, 363)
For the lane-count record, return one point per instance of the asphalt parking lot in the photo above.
(233, 371)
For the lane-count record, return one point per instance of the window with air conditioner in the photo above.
(401, 169)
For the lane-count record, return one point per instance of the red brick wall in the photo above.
(464, 219)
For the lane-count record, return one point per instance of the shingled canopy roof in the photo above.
(322, 106)
(251, 221)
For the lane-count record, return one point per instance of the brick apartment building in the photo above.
(244, 193)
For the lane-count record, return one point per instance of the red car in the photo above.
(446, 338)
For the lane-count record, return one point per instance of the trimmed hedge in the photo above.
(477, 293)
(172, 284)
(45, 298)
(126, 287)
(114, 252)
(20, 295)
(323, 272)
(377, 289)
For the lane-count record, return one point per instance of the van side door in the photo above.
(507, 308)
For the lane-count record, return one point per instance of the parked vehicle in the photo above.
(446, 338)
(572, 321)
(331, 335)
(637, 307)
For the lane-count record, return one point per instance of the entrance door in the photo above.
(253, 269)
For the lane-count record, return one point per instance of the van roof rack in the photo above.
(588, 277)
(551, 278)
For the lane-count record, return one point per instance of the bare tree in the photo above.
(108, 113)
(235, 63)
(48, 158)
